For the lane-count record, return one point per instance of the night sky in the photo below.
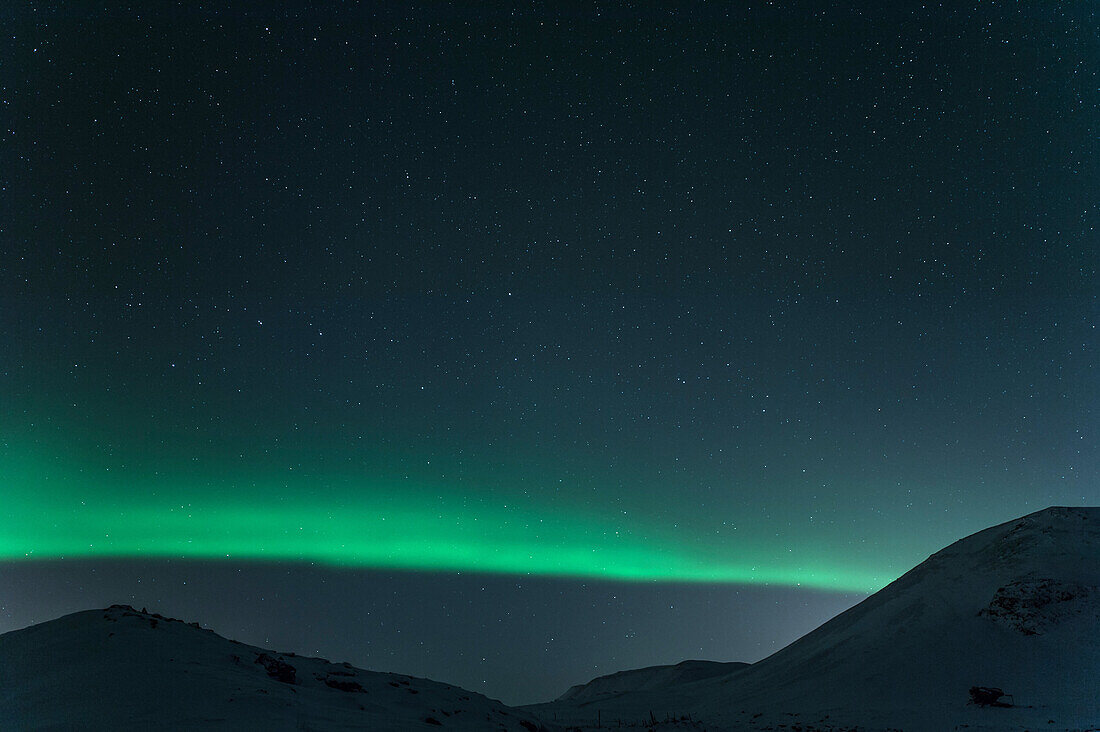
(513, 346)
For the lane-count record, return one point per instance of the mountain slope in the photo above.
(1016, 606)
(123, 669)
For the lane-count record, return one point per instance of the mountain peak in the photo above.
(1029, 543)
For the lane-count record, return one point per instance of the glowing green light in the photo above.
(360, 524)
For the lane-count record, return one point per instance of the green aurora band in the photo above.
(49, 515)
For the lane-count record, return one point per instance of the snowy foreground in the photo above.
(1016, 607)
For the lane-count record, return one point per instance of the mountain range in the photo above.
(998, 631)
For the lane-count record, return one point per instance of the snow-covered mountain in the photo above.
(123, 669)
(1015, 607)
(645, 679)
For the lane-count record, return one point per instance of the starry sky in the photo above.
(513, 344)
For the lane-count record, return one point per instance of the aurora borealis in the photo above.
(607, 325)
(362, 525)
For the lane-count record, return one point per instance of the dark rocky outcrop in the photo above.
(277, 668)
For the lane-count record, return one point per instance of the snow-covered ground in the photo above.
(123, 669)
(1015, 607)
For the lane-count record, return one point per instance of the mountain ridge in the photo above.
(648, 677)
